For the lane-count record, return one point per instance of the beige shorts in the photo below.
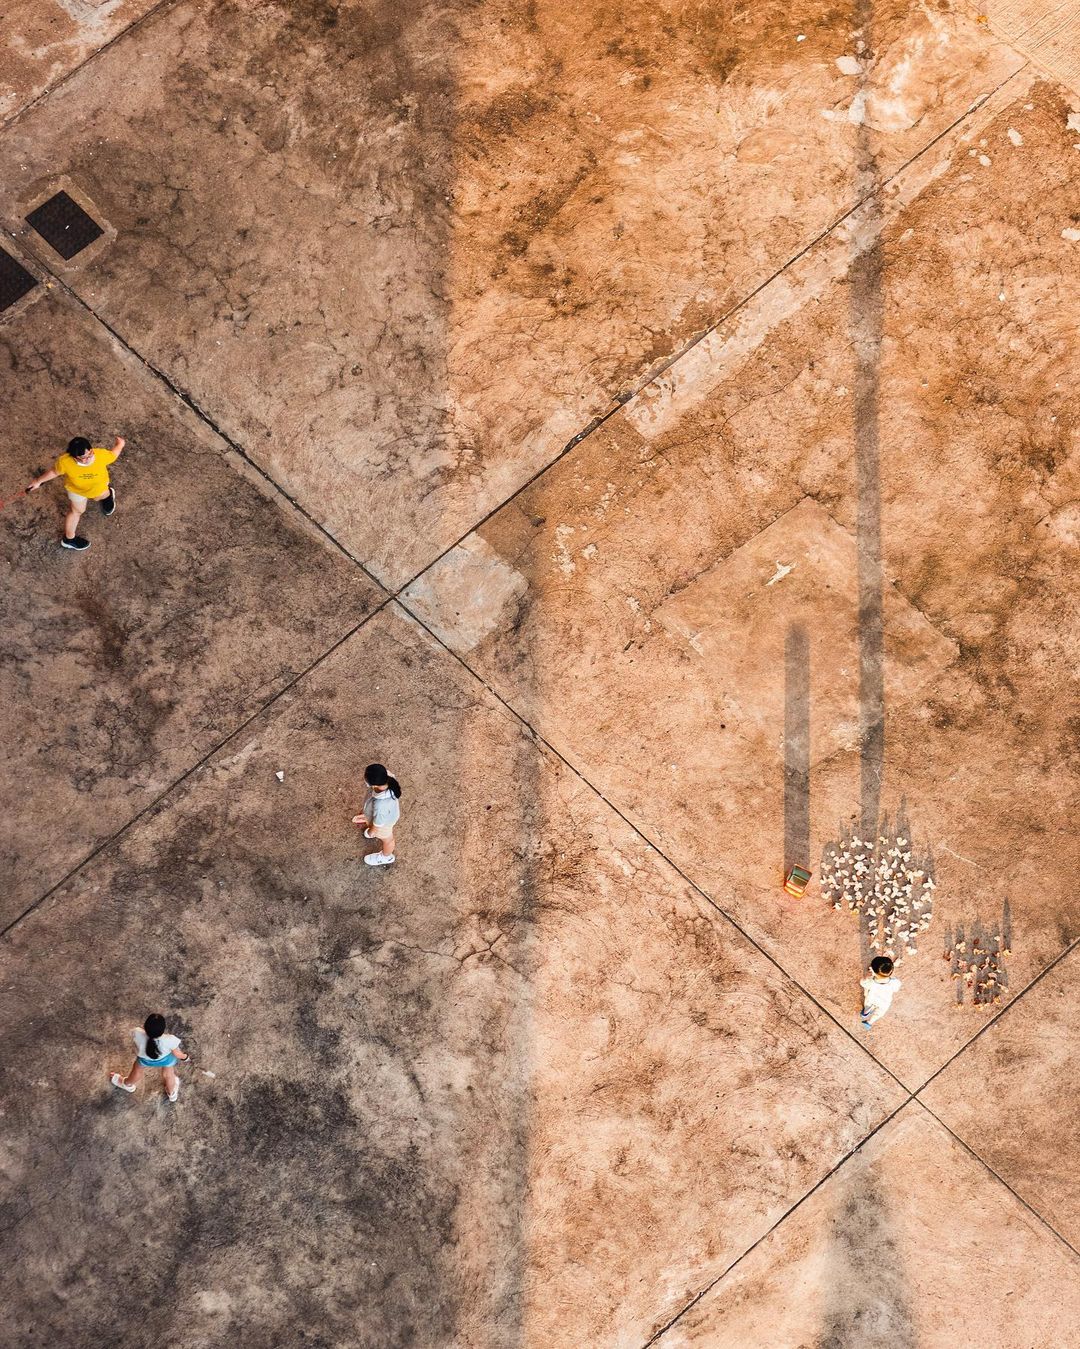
(381, 830)
(77, 500)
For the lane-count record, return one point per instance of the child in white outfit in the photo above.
(878, 990)
(381, 812)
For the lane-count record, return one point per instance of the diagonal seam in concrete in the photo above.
(539, 739)
(998, 1015)
(91, 56)
(657, 370)
(658, 1335)
(1044, 1222)
(912, 1100)
(275, 487)
(619, 401)
(194, 768)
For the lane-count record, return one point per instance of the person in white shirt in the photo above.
(878, 990)
(156, 1049)
(381, 812)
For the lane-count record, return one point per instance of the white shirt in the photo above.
(879, 992)
(165, 1043)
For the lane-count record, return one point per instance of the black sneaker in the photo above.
(108, 505)
(78, 543)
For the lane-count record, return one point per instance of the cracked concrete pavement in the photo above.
(498, 383)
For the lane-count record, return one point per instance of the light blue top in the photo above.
(382, 808)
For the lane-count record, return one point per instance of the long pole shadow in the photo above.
(865, 317)
(865, 1282)
(796, 747)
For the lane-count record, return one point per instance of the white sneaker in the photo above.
(173, 1095)
(118, 1081)
(378, 859)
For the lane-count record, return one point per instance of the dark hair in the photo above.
(154, 1025)
(78, 446)
(375, 775)
(881, 965)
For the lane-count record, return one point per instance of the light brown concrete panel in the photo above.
(1011, 1097)
(634, 602)
(912, 1243)
(44, 40)
(525, 1087)
(203, 595)
(404, 254)
(1048, 31)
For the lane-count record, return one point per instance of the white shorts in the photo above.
(77, 500)
(381, 830)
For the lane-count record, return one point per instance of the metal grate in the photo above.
(15, 280)
(64, 225)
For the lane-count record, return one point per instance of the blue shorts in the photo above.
(166, 1062)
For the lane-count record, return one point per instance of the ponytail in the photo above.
(395, 787)
(154, 1025)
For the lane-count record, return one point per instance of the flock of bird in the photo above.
(883, 882)
(889, 887)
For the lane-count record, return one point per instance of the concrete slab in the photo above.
(408, 298)
(972, 423)
(880, 1256)
(816, 593)
(1009, 1097)
(46, 39)
(198, 601)
(1048, 31)
(524, 1087)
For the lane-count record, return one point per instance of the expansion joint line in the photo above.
(189, 402)
(126, 31)
(194, 768)
(619, 401)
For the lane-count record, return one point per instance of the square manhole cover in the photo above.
(64, 225)
(15, 280)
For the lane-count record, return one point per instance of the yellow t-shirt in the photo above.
(86, 480)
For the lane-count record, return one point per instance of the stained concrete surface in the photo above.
(1020, 1071)
(198, 600)
(405, 253)
(45, 40)
(648, 558)
(912, 1237)
(404, 1057)
(533, 1085)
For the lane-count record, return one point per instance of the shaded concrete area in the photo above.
(884, 1254)
(44, 40)
(200, 599)
(1022, 1069)
(407, 297)
(795, 290)
(381, 1040)
(645, 557)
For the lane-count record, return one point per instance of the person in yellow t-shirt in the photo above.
(85, 471)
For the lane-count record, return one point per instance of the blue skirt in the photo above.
(166, 1062)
